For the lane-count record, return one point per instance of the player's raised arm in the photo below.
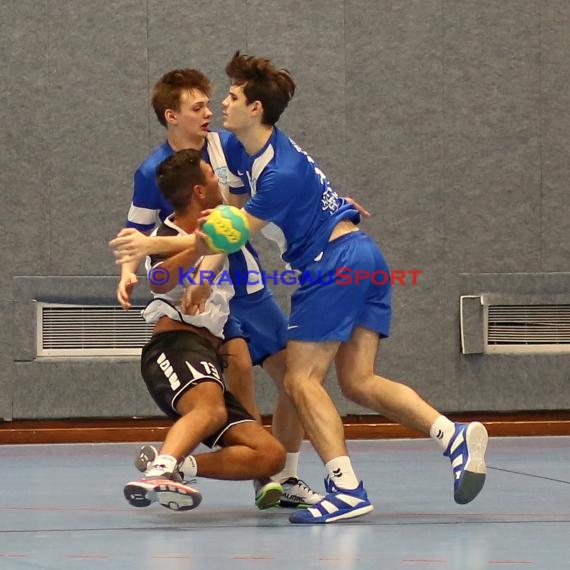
(131, 244)
(238, 200)
(255, 224)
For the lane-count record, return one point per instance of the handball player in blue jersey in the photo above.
(180, 100)
(287, 197)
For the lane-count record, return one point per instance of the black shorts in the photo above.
(174, 362)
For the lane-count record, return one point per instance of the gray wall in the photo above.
(449, 119)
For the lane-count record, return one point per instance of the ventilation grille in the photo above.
(528, 328)
(90, 330)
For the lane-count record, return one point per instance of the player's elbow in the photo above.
(161, 289)
(161, 285)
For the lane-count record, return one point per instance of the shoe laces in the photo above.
(160, 471)
(295, 482)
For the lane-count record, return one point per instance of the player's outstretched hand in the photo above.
(130, 245)
(204, 216)
(362, 211)
(201, 246)
(125, 288)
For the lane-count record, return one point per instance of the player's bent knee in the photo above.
(298, 386)
(217, 417)
(292, 385)
(271, 458)
(268, 454)
(354, 391)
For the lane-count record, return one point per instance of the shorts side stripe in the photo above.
(191, 384)
(227, 427)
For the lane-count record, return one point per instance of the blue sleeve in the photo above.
(276, 193)
(145, 207)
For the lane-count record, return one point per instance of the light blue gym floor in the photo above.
(62, 506)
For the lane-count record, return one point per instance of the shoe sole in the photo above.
(270, 497)
(171, 496)
(147, 454)
(330, 519)
(296, 503)
(474, 474)
(284, 504)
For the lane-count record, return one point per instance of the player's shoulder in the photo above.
(286, 146)
(149, 165)
(287, 156)
(230, 142)
(221, 135)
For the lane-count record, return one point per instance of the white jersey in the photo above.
(168, 304)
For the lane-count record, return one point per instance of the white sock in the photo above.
(341, 473)
(189, 467)
(161, 465)
(442, 431)
(290, 469)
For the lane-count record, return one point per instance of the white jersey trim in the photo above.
(220, 166)
(258, 165)
(271, 231)
(252, 265)
(138, 215)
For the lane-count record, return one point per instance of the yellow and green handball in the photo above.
(226, 229)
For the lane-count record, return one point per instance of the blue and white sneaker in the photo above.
(337, 505)
(466, 451)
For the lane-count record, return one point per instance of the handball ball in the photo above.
(226, 229)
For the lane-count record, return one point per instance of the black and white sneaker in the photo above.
(298, 495)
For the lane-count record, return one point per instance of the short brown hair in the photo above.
(263, 82)
(169, 88)
(178, 174)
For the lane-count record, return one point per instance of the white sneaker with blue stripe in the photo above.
(338, 504)
(466, 451)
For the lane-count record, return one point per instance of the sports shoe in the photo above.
(298, 495)
(165, 489)
(339, 504)
(466, 451)
(147, 454)
(267, 493)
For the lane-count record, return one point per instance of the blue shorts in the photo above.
(330, 303)
(232, 329)
(260, 321)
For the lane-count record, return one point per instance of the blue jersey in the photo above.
(149, 207)
(289, 190)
